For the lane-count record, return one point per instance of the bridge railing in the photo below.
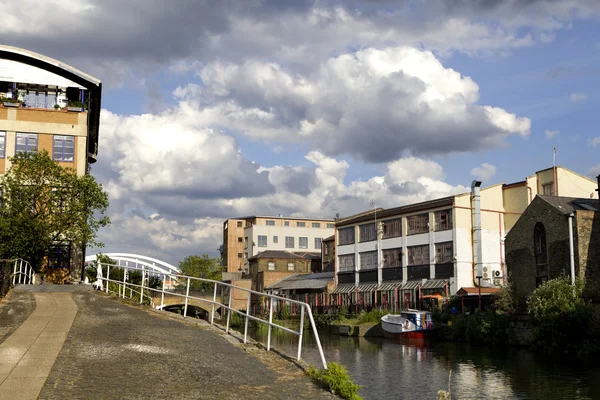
(22, 272)
(102, 282)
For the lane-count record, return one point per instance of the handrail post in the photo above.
(142, 288)
(229, 309)
(187, 294)
(247, 319)
(316, 334)
(21, 271)
(15, 273)
(270, 322)
(107, 276)
(301, 332)
(212, 315)
(162, 295)
(124, 280)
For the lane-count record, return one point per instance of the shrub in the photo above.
(284, 312)
(371, 316)
(336, 379)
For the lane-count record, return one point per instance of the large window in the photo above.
(270, 222)
(59, 256)
(271, 266)
(346, 263)
(316, 224)
(291, 266)
(392, 258)
(240, 224)
(2, 144)
(346, 236)
(443, 220)
(368, 260)
(275, 239)
(330, 226)
(367, 232)
(27, 142)
(300, 224)
(289, 242)
(548, 189)
(63, 148)
(303, 242)
(392, 228)
(262, 241)
(443, 253)
(541, 254)
(318, 243)
(418, 224)
(418, 255)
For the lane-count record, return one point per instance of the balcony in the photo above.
(53, 98)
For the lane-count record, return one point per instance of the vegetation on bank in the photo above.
(336, 379)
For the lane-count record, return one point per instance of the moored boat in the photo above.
(410, 324)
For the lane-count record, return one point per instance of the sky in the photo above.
(215, 109)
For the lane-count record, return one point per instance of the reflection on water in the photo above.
(391, 370)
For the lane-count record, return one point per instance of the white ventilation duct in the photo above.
(476, 224)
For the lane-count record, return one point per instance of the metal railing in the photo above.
(123, 285)
(22, 272)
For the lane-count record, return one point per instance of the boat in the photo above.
(410, 324)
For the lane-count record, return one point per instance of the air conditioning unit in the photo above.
(486, 274)
(498, 282)
(497, 273)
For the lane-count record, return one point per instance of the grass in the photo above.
(336, 379)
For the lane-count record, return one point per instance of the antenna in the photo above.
(554, 157)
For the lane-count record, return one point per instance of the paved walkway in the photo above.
(89, 345)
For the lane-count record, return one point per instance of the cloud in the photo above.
(484, 172)
(550, 134)
(595, 141)
(594, 171)
(578, 97)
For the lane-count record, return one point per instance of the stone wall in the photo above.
(587, 245)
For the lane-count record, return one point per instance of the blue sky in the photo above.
(307, 108)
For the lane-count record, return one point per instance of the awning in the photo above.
(434, 284)
(367, 287)
(473, 291)
(390, 285)
(344, 288)
(412, 285)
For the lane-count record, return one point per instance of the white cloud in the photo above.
(594, 171)
(578, 97)
(484, 172)
(595, 141)
(550, 134)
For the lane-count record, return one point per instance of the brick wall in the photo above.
(587, 245)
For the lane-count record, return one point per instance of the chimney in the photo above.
(598, 189)
(476, 224)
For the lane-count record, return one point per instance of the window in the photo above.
(443, 253)
(59, 256)
(246, 256)
(392, 228)
(246, 242)
(325, 249)
(368, 260)
(262, 241)
(367, 232)
(300, 224)
(240, 224)
(443, 220)
(240, 255)
(240, 239)
(346, 236)
(270, 222)
(27, 142)
(275, 239)
(417, 224)
(289, 242)
(316, 225)
(541, 254)
(418, 255)
(346, 263)
(303, 243)
(271, 266)
(548, 189)
(286, 223)
(2, 144)
(318, 243)
(291, 266)
(330, 226)
(63, 148)
(392, 258)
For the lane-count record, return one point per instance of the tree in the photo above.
(200, 267)
(44, 204)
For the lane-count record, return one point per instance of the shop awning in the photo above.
(473, 291)
(434, 284)
(344, 288)
(367, 287)
(390, 285)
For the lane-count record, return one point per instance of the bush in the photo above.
(336, 379)
(371, 316)
(284, 312)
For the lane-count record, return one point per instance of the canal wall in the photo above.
(369, 329)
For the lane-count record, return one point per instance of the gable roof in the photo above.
(282, 254)
(303, 281)
(568, 205)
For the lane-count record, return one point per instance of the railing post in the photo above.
(15, 273)
(247, 319)
(212, 315)
(162, 294)
(107, 276)
(301, 331)
(314, 329)
(270, 322)
(187, 294)
(229, 309)
(20, 271)
(124, 280)
(142, 289)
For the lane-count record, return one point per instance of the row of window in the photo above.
(299, 224)
(291, 266)
(393, 228)
(392, 258)
(63, 147)
(290, 242)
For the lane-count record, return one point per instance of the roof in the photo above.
(473, 291)
(276, 254)
(359, 215)
(411, 285)
(568, 205)
(283, 217)
(310, 256)
(303, 281)
(329, 239)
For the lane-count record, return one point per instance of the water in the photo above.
(391, 370)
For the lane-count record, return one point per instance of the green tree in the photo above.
(200, 267)
(43, 203)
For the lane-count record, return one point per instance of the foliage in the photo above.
(43, 204)
(371, 316)
(284, 312)
(555, 298)
(336, 379)
(200, 267)
(505, 301)
(325, 320)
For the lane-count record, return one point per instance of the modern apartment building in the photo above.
(396, 255)
(246, 237)
(48, 105)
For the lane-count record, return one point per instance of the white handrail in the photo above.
(22, 272)
(123, 285)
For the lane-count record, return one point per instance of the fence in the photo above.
(143, 290)
(14, 272)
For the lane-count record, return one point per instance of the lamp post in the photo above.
(479, 290)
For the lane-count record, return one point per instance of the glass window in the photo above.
(303, 243)
(240, 255)
(326, 250)
(418, 224)
(291, 266)
(262, 241)
(541, 254)
(63, 148)
(330, 226)
(240, 224)
(289, 242)
(27, 142)
(392, 228)
(2, 144)
(318, 243)
(392, 258)
(246, 242)
(240, 239)
(367, 232)
(368, 260)
(346, 236)
(59, 256)
(271, 266)
(346, 263)
(418, 255)
(316, 224)
(443, 220)
(548, 189)
(443, 253)
(275, 239)
(270, 222)
(286, 223)
(300, 224)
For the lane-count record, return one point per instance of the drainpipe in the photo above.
(571, 252)
(476, 223)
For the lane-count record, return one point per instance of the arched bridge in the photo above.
(137, 261)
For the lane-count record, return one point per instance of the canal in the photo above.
(391, 370)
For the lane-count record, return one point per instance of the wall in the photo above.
(281, 232)
(571, 184)
(516, 199)
(231, 246)
(587, 242)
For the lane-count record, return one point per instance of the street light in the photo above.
(479, 289)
